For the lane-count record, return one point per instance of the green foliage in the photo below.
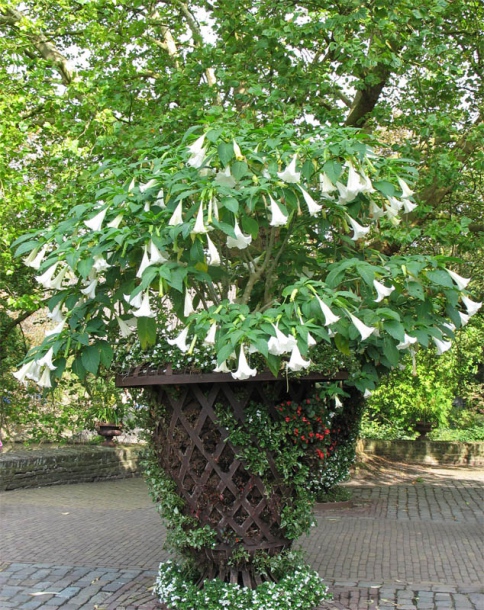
(298, 587)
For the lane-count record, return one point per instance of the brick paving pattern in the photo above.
(416, 544)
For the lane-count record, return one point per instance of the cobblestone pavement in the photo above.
(410, 542)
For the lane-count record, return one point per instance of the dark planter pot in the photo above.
(109, 432)
(217, 489)
(423, 428)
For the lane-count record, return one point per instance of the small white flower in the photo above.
(375, 211)
(237, 152)
(464, 318)
(176, 217)
(311, 340)
(243, 371)
(290, 175)
(367, 393)
(160, 199)
(188, 305)
(210, 338)
(459, 280)
(35, 258)
(241, 241)
(44, 380)
(337, 402)
(95, 223)
(145, 262)
(199, 226)
(407, 342)
(144, 310)
(330, 317)
(296, 361)
(90, 290)
(364, 330)
(383, 291)
(100, 264)
(56, 315)
(225, 178)
(392, 215)
(442, 346)
(359, 231)
(471, 306)
(395, 203)
(406, 191)
(278, 218)
(313, 207)
(114, 224)
(181, 341)
(281, 343)
(213, 257)
(408, 206)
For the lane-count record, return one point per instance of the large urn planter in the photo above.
(191, 447)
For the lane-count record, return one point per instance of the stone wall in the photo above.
(20, 468)
(436, 453)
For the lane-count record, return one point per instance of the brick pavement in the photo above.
(413, 545)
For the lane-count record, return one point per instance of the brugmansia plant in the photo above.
(259, 240)
(263, 246)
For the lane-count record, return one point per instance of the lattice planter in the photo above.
(194, 450)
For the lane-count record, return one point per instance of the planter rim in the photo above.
(145, 376)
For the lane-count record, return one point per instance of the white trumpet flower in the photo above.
(95, 223)
(46, 278)
(281, 343)
(364, 330)
(210, 338)
(188, 305)
(407, 342)
(237, 152)
(212, 210)
(278, 218)
(176, 217)
(383, 291)
(124, 328)
(57, 330)
(313, 207)
(148, 185)
(134, 301)
(160, 199)
(225, 178)
(337, 402)
(44, 380)
(56, 315)
(375, 211)
(100, 264)
(296, 361)
(30, 370)
(56, 283)
(198, 153)
(199, 226)
(46, 360)
(213, 257)
(145, 262)
(325, 184)
(155, 255)
(459, 280)
(290, 175)
(90, 290)
(330, 317)
(222, 368)
(442, 346)
(243, 371)
(471, 306)
(181, 341)
(406, 191)
(241, 241)
(35, 258)
(358, 231)
(464, 318)
(408, 206)
(145, 310)
(114, 224)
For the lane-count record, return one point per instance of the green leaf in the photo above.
(342, 343)
(333, 170)
(416, 290)
(224, 352)
(250, 226)
(239, 169)
(85, 266)
(90, 358)
(225, 152)
(391, 352)
(231, 204)
(385, 187)
(106, 353)
(440, 277)
(394, 329)
(146, 328)
(78, 368)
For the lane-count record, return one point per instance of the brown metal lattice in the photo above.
(218, 490)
